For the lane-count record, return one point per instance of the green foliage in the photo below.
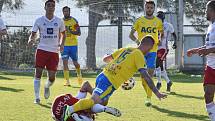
(15, 51)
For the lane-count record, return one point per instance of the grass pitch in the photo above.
(185, 103)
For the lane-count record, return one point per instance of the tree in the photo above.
(11, 5)
(106, 9)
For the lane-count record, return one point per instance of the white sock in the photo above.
(48, 84)
(158, 74)
(164, 75)
(37, 88)
(211, 110)
(98, 108)
(81, 95)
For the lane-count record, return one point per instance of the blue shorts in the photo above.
(151, 60)
(70, 51)
(104, 87)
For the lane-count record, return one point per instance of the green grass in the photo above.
(185, 103)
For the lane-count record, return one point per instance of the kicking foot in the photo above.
(113, 111)
(37, 101)
(148, 102)
(169, 86)
(46, 93)
(158, 86)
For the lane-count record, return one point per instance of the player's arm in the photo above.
(63, 38)
(193, 51)
(132, 37)
(150, 83)
(107, 58)
(32, 38)
(174, 46)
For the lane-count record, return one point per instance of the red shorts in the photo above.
(66, 99)
(161, 54)
(47, 59)
(209, 77)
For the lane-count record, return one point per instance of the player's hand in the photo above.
(203, 52)
(190, 52)
(30, 42)
(161, 95)
(61, 47)
(174, 46)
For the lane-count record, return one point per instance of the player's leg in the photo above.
(40, 59)
(51, 66)
(85, 88)
(65, 58)
(164, 73)
(74, 56)
(209, 89)
(159, 64)
(102, 92)
(151, 64)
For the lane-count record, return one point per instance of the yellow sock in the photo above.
(78, 71)
(66, 74)
(83, 104)
(146, 88)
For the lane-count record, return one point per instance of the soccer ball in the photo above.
(129, 84)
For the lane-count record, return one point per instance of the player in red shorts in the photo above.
(163, 51)
(85, 115)
(52, 37)
(209, 51)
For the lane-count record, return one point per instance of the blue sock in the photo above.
(37, 88)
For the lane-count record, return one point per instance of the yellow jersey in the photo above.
(71, 24)
(153, 27)
(126, 62)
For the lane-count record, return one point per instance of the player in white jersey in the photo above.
(3, 30)
(163, 51)
(52, 37)
(209, 51)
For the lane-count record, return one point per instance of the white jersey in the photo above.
(168, 30)
(2, 26)
(210, 43)
(49, 31)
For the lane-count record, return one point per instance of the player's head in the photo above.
(50, 6)
(146, 44)
(210, 10)
(66, 11)
(149, 7)
(161, 15)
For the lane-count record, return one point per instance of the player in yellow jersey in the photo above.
(122, 65)
(148, 25)
(71, 45)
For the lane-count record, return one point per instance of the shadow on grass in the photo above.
(186, 96)
(10, 89)
(181, 114)
(5, 78)
(184, 78)
(45, 106)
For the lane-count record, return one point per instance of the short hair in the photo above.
(66, 7)
(53, 1)
(148, 39)
(150, 2)
(211, 4)
(161, 15)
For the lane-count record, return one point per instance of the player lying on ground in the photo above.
(85, 115)
(209, 51)
(122, 65)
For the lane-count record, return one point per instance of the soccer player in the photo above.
(209, 51)
(68, 99)
(3, 30)
(51, 29)
(163, 51)
(71, 45)
(122, 65)
(148, 25)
